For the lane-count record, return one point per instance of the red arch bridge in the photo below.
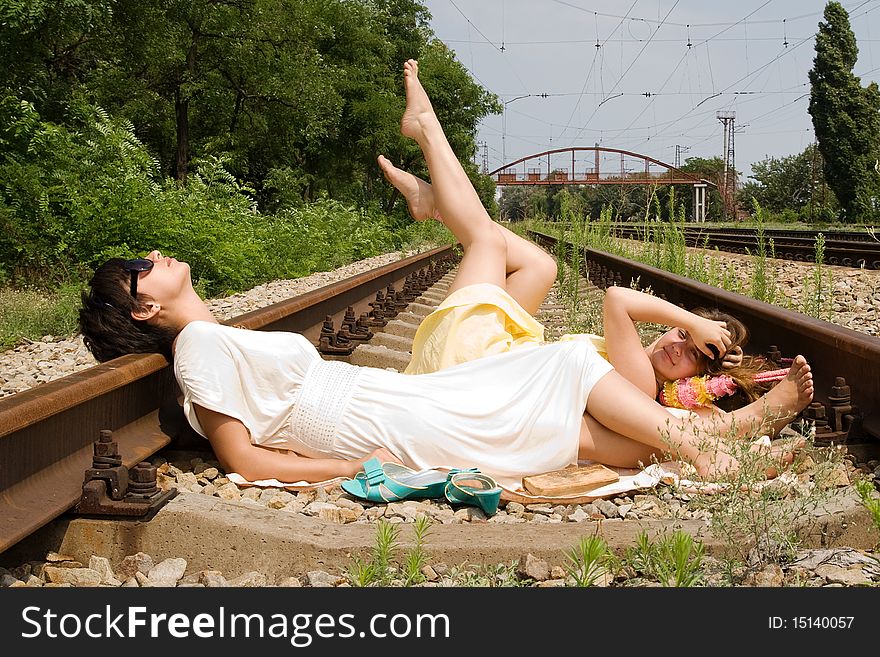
(596, 165)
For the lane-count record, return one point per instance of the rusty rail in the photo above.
(47, 433)
(834, 352)
(842, 248)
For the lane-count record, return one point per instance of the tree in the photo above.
(295, 97)
(846, 117)
(793, 184)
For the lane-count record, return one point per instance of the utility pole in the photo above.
(728, 179)
(678, 151)
(812, 179)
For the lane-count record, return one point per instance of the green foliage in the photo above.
(672, 560)
(818, 292)
(208, 130)
(502, 575)
(72, 198)
(67, 193)
(589, 560)
(377, 570)
(757, 517)
(31, 314)
(763, 283)
(846, 117)
(380, 569)
(868, 494)
(416, 558)
(791, 187)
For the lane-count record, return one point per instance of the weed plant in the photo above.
(502, 575)
(763, 286)
(817, 296)
(417, 558)
(663, 246)
(381, 568)
(754, 515)
(589, 561)
(868, 494)
(376, 571)
(673, 560)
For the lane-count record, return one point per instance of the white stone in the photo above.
(167, 572)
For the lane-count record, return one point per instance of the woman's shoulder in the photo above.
(597, 342)
(201, 332)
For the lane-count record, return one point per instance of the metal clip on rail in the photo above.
(387, 305)
(110, 489)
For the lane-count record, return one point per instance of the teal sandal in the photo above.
(392, 482)
(474, 488)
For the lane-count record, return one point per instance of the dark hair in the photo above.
(105, 320)
(743, 374)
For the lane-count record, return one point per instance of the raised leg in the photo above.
(529, 270)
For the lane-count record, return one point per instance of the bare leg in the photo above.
(763, 415)
(599, 443)
(530, 271)
(624, 409)
(485, 251)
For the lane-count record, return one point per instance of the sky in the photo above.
(662, 71)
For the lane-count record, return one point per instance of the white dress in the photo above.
(512, 414)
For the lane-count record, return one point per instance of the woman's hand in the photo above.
(708, 333)
(733, 358)
(382, 454)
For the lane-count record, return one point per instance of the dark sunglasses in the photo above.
(134, 267)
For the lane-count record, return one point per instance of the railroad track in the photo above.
(845, 363)
(843, 248)
(48, 433)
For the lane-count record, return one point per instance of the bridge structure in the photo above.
(597, 165)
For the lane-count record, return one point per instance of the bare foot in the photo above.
(779, 453)
(419, 112)
(776, 455)
(790, 396)
(418, 194)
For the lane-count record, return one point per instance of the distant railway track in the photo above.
(845, 363)
(48, 433)
(843, 248)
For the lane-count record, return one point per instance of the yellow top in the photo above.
(476, 321)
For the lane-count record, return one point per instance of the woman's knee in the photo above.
(546, 268)
(491, 239)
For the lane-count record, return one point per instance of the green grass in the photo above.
(30, 314)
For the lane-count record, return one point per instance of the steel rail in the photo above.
(47, 432)
(848, 249)
(842, 235)
(833, 351)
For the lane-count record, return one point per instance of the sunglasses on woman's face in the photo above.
(134, 267)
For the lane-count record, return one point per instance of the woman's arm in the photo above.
(231, 443)
(622, 341)
(623, 307)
